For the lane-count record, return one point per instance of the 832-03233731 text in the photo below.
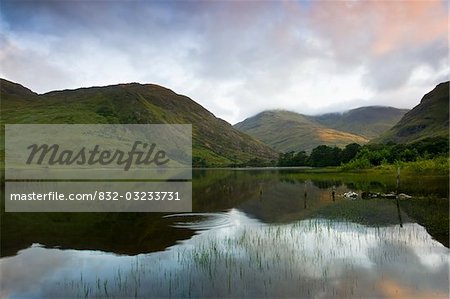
(99, 195)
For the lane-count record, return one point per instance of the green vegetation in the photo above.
(426, 155)
(373, 212)
(439, 164)
(321, 156)
(289, 131)
(428, 119)
(215, 142)
(217, 190)
(369, 122)
(430, 212)
(419, 139)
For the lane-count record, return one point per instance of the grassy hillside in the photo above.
(214, 140)
(428, 119)
(369, 122)
(289, 131)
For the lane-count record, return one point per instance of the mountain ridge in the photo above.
(364, 121)
(215, 142)
(286, 130)
(430, 118)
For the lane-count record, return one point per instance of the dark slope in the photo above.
(369, 122)
(428, 119)
(214, 140)
(289, 131)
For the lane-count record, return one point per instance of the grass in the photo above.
(369, 122)
(432, 213)
(288, 131)
(437, 165)
(213, 139)
(231, 261)
(373, 212)
(302, 259)
(429, 119)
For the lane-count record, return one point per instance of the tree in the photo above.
(285, 159)
(324, 155)
(349, 152)
(199, 162)
(300, 159)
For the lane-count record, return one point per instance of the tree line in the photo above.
(368, 155)
(352, 156)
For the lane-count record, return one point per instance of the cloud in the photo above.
(28, 64)
(234, 58)
(390, 39)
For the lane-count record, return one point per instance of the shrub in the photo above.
(358, 163)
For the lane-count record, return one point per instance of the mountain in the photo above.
(428, 119)
(369, 122)
(289, 131)
(214, 140)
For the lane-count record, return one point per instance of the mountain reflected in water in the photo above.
(252, 233)
(234, 255)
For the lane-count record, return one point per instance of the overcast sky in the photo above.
(234, 58)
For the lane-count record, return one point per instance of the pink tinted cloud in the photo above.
(379, 27)
(409, 24)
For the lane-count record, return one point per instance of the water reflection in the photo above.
(253, 233)
(272, 196)
(233, 254)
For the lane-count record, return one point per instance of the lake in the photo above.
(252, 233)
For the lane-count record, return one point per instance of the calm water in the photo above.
(252, 233)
